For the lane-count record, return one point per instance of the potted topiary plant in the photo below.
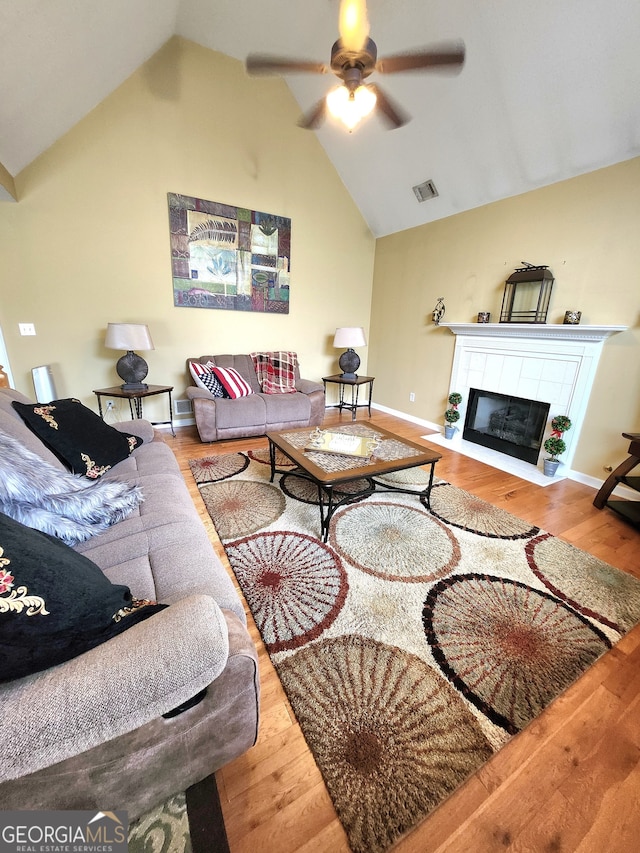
(452, 415)
(555, 445)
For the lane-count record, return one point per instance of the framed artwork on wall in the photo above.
(227, 257)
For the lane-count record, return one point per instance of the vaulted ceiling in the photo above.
(549, 89)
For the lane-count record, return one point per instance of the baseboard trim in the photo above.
(569, 473)
(405, 417)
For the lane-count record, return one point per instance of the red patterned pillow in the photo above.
(232, 382)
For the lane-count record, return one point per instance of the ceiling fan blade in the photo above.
(446, 57)
(314, 117)
(393, 114)
(258, 63)
(353, 24)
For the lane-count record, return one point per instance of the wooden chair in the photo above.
(629, 509)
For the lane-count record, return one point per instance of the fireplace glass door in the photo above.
(511, 425)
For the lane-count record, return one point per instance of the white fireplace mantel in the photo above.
(557, 331)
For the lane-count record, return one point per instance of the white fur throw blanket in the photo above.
(59, 503)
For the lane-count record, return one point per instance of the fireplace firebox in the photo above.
(511, 425)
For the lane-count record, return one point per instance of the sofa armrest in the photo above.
(122, 684)
(140, 427)
(308, 386)
(195, 393)
(204, 412)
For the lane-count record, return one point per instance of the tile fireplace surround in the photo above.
(554, 364)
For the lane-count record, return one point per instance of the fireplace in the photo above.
(511, 425)
(554, 364)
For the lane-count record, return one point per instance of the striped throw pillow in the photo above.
(205, 378)
(232, 382)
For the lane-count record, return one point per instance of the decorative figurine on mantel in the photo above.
(438, 311)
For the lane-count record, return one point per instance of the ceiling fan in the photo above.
(354, 57)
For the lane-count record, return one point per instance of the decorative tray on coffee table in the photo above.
(342, 444)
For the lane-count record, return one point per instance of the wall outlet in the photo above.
(412, 397)
(27, 328)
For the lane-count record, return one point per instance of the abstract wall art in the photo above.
(228, 257)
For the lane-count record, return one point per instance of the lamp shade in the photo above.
(128, 336)
(350, 336)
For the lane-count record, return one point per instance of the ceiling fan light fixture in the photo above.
(350, 107)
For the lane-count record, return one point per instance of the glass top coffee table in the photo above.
(329, 459)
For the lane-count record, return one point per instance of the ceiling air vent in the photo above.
(425, 191)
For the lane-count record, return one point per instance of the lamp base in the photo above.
(132, 368)
(134, 386)
(349, 362)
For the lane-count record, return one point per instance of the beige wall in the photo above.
(88, 241)
(585, 229)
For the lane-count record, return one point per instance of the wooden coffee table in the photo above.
(329, 471)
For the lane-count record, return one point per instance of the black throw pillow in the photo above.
(78, 436)
(55, 603)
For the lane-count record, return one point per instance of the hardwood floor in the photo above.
(569, 782)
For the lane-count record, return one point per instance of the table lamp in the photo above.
(350, 337)
(132, 368)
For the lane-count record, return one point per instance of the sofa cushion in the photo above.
(233, 383)
(52, 500)
(244, 412)
(78, 436)
(205, 378)
(287, 408)
(55, 604)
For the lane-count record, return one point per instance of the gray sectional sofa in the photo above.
(257, 413)
(90, 733)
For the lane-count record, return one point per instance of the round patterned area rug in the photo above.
(412, 644)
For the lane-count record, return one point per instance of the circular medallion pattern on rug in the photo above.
(393, 738)
(394, 541)
(417, 477)
(508, 648)
(210, 469)
(262, 456)
(464, 510)
(585, 582)
(240, 507)
(301, 489)
(294, 585)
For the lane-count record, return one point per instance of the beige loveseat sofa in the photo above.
(90, 733)
(257, 413)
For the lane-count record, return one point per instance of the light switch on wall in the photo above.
(27, 328)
